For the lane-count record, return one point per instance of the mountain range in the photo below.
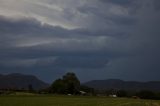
(20, 81)
(123, 85)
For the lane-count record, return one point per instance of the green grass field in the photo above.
(72, 101)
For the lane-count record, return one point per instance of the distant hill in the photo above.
(125, 85)
(20, 81)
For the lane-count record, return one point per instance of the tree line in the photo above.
(69, 84)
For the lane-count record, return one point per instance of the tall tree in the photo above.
(72, 83)
(58, 86)
(69, 84)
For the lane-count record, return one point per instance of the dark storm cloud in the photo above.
(157, 4)
(97, 39)
(97, 14)
(12, 53)
(79, 62)
(119, 2)
(28, 27)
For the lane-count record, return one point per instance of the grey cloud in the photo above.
(112, 39)
(16, 50)
(79, 62)
(119, 2)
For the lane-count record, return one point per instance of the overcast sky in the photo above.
(96, 39)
